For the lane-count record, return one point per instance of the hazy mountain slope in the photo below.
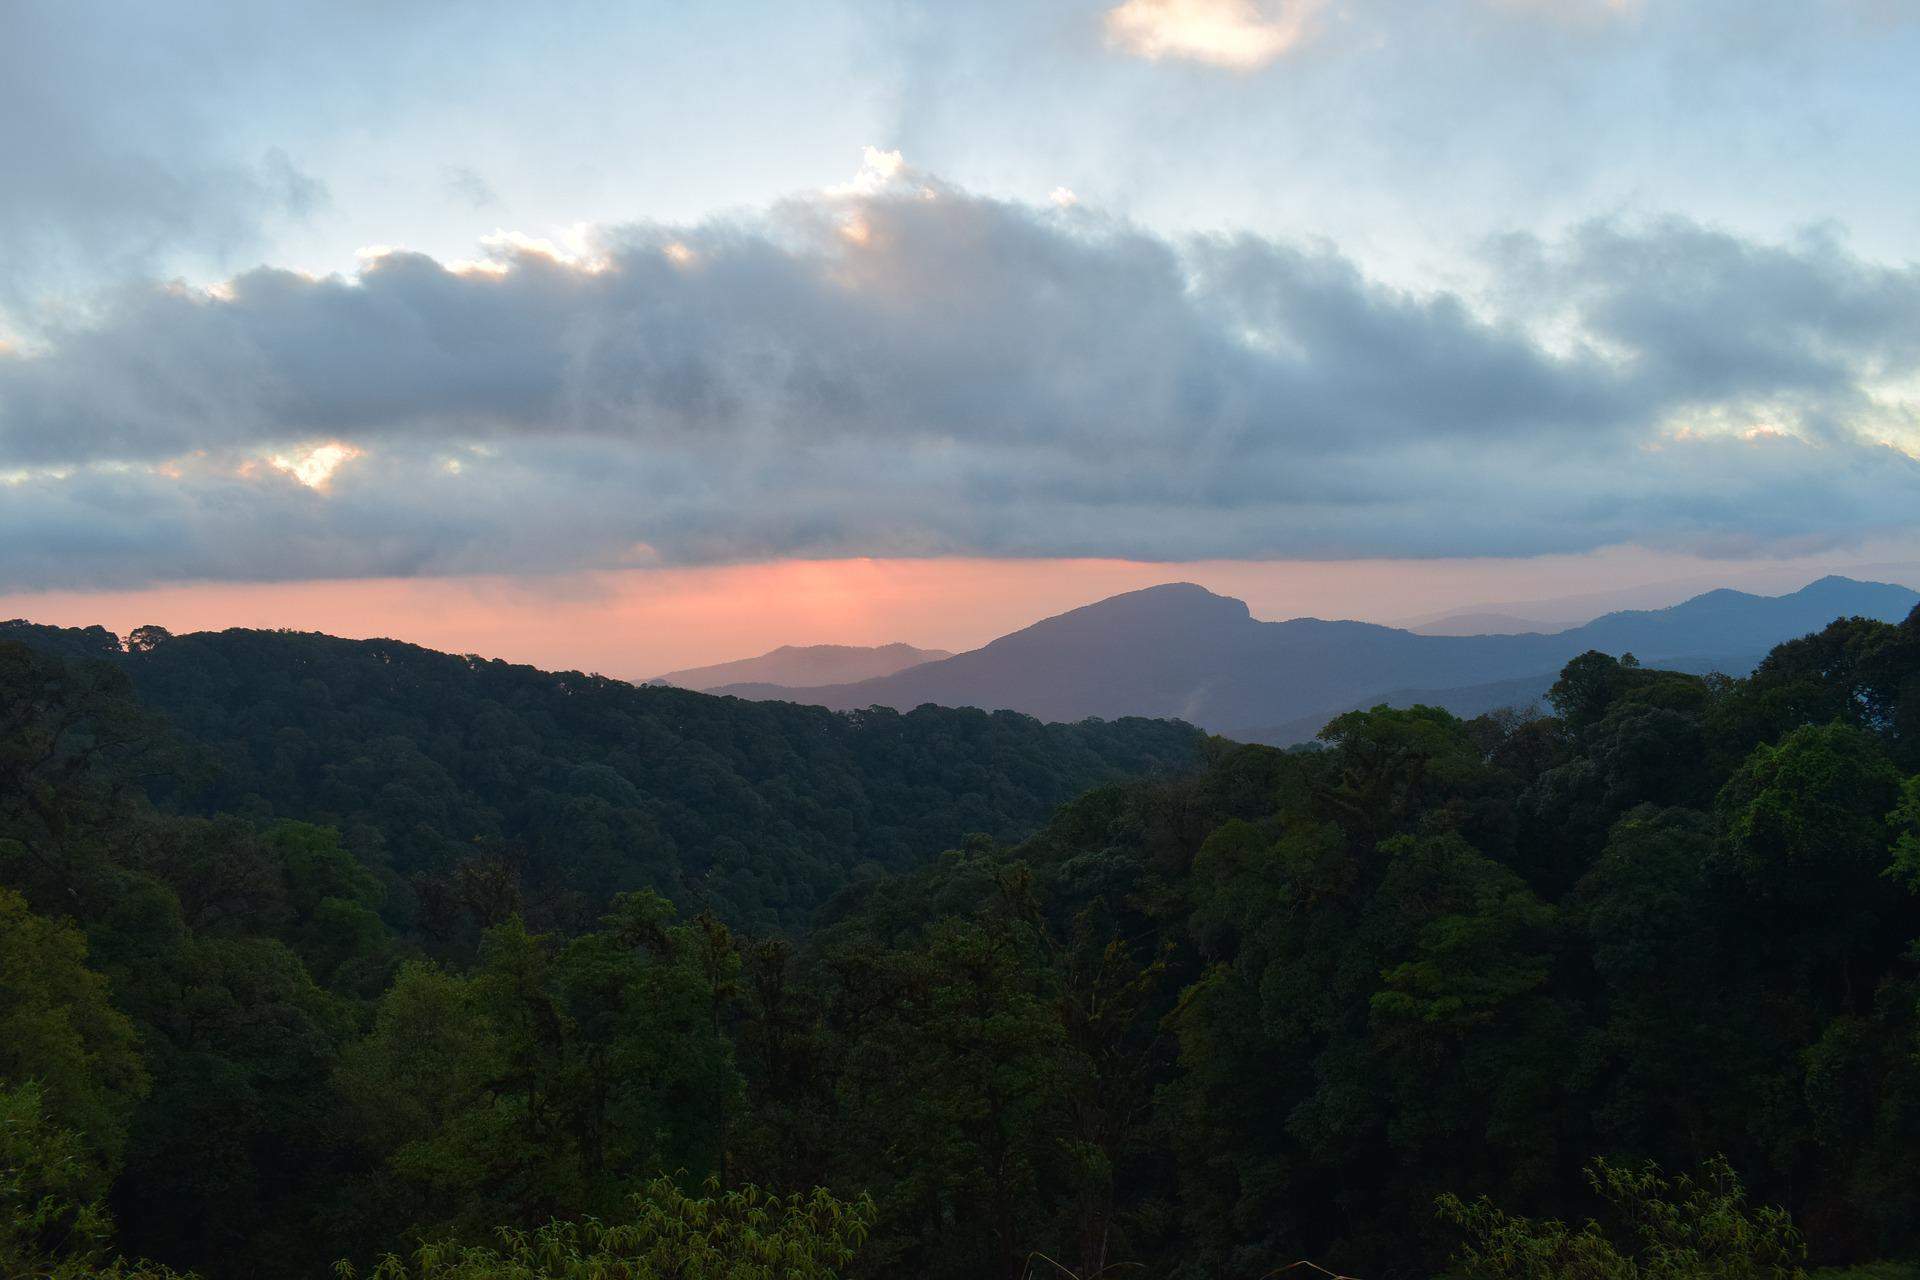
(1179, 650)
(1471, 700)
(1727, 621)
(1559, 613)
(1148, 648)
(1481, 624)
(805, 666)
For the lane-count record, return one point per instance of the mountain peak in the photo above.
(1187, 602)
(1836, 582)
(1737, 623)
(1718, 593)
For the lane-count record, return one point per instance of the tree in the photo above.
(1674, 1046)
(553, 1077)
(1390, 763)
(54, 1224)
(1855, 671)
(1683, 1228)
(419, 1090)
(1805, 832)
(51, 1215)
(74, 746)
(1906, 851)
(746, 1234)
(58, 1028)
(952, 1076)
(333, 901)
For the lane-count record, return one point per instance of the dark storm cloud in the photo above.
(920, 372)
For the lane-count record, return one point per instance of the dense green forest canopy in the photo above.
(1431, 993)
(430, 765)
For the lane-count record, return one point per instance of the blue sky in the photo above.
(1407, 133)
(300, 291)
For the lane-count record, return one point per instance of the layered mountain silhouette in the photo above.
(1482, 624)
(805, 666)
(1181, 651)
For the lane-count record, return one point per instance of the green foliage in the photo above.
(1680, 1229)
(57, 1027)
(389, 941)
(334, 904)
(744, 1234)
(54, 1224)
(1906, 849)
(1594, 685)
(1807, 819)
(950, 1065)
(1856, 672)
(1392, 762)
(538, 1084)
(1871, 1271)
(579, 787)
(50, 1190)
(1476, 935)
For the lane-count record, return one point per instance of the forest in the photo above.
(322, 957)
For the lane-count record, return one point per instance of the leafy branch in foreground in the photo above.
(747, 1234)
(1680, 1229)
(53, 1222)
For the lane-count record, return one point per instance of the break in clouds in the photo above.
(908, 369)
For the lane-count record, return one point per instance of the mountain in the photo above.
(1481, 624)
(1727, 621)
(805, 666)
(430, 762)
(1181, 651)
(1558, 613)
(1468, 700)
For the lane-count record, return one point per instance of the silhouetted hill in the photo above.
(1727, 621)
(1181, 651)
(805, 666)
(1470, 700)
(584, 785)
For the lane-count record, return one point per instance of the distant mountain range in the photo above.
(1482, 624)
(1181, 651)
(805, 666)
(1558, 613)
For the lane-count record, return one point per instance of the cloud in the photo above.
(314, 465)
(1239, 34)
(965, 376)
(115, 161)
(1575, 11)
(467, 187)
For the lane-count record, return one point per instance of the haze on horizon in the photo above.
(631, 337)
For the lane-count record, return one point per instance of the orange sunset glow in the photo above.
(635, 623)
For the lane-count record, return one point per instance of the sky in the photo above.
(630, 336)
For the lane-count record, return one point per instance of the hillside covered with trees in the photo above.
(434, 768)
(312, 951)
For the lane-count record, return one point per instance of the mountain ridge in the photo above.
(1178, 650)
(591, 785)
(804, 666)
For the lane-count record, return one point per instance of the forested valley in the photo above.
(322, 957)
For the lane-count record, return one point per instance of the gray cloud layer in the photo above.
(920, 371)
